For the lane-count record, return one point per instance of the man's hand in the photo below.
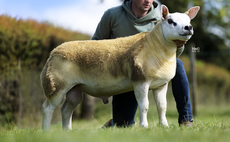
(180, 43)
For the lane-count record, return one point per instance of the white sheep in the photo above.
(108, 67)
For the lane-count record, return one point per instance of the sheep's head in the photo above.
(176, 26)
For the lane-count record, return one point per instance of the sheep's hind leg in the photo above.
(48, 108)
(73, 98)
(47, 115)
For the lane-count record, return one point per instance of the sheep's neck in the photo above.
(160, 58)
(156, 38)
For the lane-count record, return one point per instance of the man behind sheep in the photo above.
(132, 17)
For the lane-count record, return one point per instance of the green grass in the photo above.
(211, 125)
(201, 132)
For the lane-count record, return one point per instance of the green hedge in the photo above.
(24, 48)
(213, 82)
(30, 42)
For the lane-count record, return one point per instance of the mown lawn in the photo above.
(211, 125)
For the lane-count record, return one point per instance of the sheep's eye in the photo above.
(170, 21)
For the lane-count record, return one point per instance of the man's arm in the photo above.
(179, 51)
(103, 30)
(180, 47)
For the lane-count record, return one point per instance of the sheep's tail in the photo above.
(47, 80)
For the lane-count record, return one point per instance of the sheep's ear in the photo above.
(192, 12)
(164, 11)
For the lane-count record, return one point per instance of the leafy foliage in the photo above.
(24, 47)
(213, 82)
(29, 42)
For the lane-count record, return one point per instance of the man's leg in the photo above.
(124, 109)
(180, 88)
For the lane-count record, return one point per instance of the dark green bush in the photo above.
(24, 48)
(29, 43)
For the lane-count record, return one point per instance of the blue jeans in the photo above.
(125, 105)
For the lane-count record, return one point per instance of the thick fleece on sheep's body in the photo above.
(145, 56)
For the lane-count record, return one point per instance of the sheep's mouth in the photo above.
(186, 34)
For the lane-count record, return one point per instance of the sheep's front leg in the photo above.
(141, 94)
(161, 102)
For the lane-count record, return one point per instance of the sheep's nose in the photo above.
(188, 28)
